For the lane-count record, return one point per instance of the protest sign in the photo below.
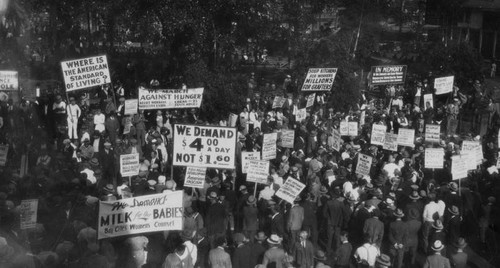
(335, 140)
(245, 160)
(470, 159)
(152, 99)
(269, 146)
(378, 134)
(204, 146)
(319, 79)
(290, 190)
(287, 138)
(85, 72)
(129, 165)
(278, 102)
(28, 212)
(391, 142)
(310, 100)
(128, 125)
(142, 214)
(432, 133)
(428, 101)
(434, 158)
(353, 128)
(233, 118)
(364, 164)
(406, 137)
(344, 128)
(9, 80)
(444, 85)
(195, 177)
(258, 171)
(390, 74)
(475, 147)
(4, 150)
(458, 167)
(301, 115)
(131, 106)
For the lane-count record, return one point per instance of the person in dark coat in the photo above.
(250, 218)
(459, 258)
(203, 246)
(398, 234)
(310, 222)
(336, 214)
(413, 226)
(277, 223)
(303, 251)
(437, 232)
(107, 161)
(374, 228)
(436, 260)
(112, 127)
(216, 218)
(257, 248)
(242, 254)
(453, 225)
(343, 252)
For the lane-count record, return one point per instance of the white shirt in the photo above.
(99, 122)
(73, 110)
(429, 211)
(192, 249)
(368, 253)
(390, 168)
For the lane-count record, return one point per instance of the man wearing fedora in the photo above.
(303, 251)
(398, 235)
(459, 258)
(295, 219)
(257, 248)
(437, 232)
(453, 224)
(320, 259)
(242, 253)
(383, 261)
(275, 254)
(250, 218)
(343, 252)
(413, 225)
(216, 219)
(436, 260)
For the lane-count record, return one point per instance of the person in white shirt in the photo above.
(99, 120)
(59, 108)
(74, 112)
(367, 254)
(391, 166)
(431, 213)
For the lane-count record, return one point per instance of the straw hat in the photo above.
(438, 225)
(454, 210)
(437, 246)
(274, 239)
(398, 213)
(453, 186)
(383, 261)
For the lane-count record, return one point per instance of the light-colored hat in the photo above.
(274, 239)
(437, 246)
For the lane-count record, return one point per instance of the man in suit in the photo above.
(107, 160)
(218, 257)
(436, 260)
(257, 248)
(112, 127)
(216, 220)
(203, 248)
(459, 259)
(453, 224)
(303, 251)
(277, 222)
(337, 217)
(295, 219)
(398, 234)
(413, 227)
(343, 252)
(374, 228)
(242, 253)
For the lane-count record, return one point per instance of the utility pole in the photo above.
(359, 29)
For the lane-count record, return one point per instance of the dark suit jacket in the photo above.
(242, 256)
(216, 219)
(459, 260)
(343, 254)
(375, 229)
(437, 260)
(107, 160)
(257, 253)
(278, 225)
(398, 233)
(453, 229)
(304, 256)
(336, 213)
(413, 227)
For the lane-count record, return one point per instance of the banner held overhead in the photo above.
(319, 79)
(85, 73)
(151, 99)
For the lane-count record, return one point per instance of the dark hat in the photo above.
(460, 243)
(398, 213)
(109, 187)
(187, 234)
(251, 200)
(260, 236)
(438, 225)
(437, 246)
(216, 181)
(239, 238)
(414, 195)
(384, 260)
(454, 210)
(94, 162)
(323, 189)
(201, 233)
(320, 255)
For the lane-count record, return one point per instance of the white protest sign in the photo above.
(278, 102)
(475, 147)
(9, 80)
(142, 214)
(444, 85)
(129, 165)
(287, 138)
(195, 177)
(389, 74)
(344, 128)
(85, 72)
(245, 160)
(378, 134)
(470, 159)
(128, 125)
(131, 106)
(406, 137)
(434, 158)
(301, 115)
(335, 140)
(28, 213)
(258, 171)
(458, 167)
(391, 142)
(290, 190)
(353, 128)
(364, 164)
(432, 133)
(152, 99)
(4, 150)
(319, 79)
(204, 146)
(428, 101)
(269, 146)
(310, 100)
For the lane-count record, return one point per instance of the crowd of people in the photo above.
(65, 153)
